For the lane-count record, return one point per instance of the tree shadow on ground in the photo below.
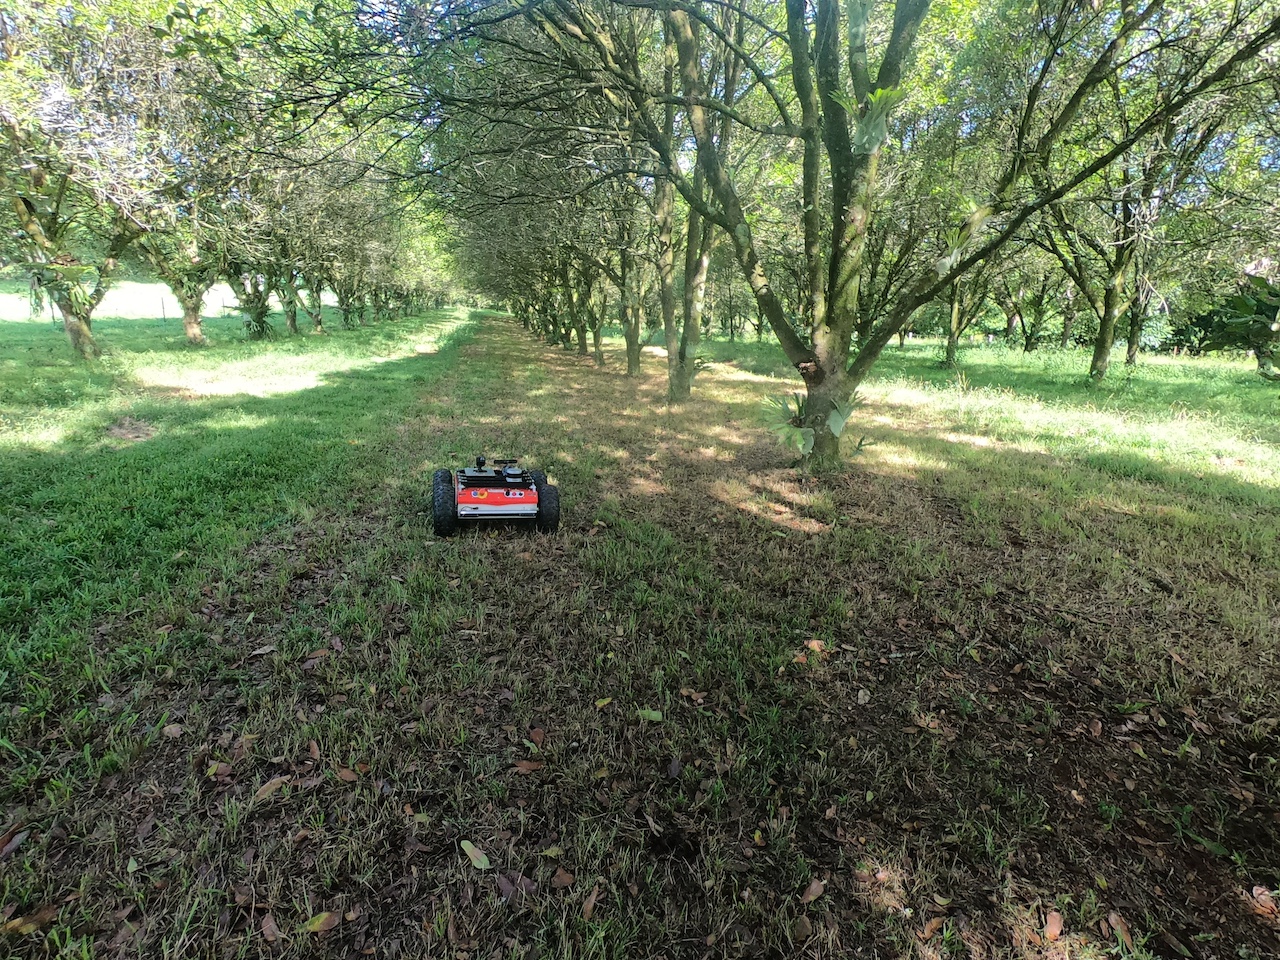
(729, 710)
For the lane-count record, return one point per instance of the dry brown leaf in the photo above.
(172, 731)
(32, 921)
(1053, 926)
(1095, 727)
(802, 929)
(931, 928)
(536, 736)
(1263, 903)
(813, 891)
(528, 766)
(270, 932)
(350, 776)
(271, 786)
(563, 879)
(12, 840)
(1121, 928)
(589, 907)
(313, 750)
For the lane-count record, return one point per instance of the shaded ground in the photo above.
(729, 711)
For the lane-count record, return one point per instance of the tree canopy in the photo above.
(1085, 163)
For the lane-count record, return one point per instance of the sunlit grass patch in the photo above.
(746, 710)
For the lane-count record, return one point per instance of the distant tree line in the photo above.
(832, 174)
(850, 170)
(148, 129)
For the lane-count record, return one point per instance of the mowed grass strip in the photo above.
(729, 709)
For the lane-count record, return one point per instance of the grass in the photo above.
(912, 710)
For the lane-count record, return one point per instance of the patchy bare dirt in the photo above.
(131, 429)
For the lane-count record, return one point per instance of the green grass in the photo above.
(218, 576)
(132, 481)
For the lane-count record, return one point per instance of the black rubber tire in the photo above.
(548, 519)
(444, 504)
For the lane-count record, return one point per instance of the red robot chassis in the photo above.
(504, 491)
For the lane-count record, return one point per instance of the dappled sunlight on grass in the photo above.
(249, 378)
(753, 712)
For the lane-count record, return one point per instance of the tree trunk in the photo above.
(192, 322)
(1068, 318)
(1112, 304)
(1137, 319)
(629, 313)
(289, 300)
(79, 330)
(1013, 320)
(681, 368)
(954, 327)
(1267, 358)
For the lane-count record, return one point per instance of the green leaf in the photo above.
(475, 855)
(840, 415)
(654, 716)
(321, 922)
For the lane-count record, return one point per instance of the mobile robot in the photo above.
(504, 491)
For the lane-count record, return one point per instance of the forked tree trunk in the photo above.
(315, 309)
(289, 300)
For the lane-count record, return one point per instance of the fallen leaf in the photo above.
(802, 929)
(271, 786)
(263, 651)
(514, 887)
(528, 766)
(563, 879)
(313, 750)
(1095, 727)
(1121, 928)
(32, 922)
(603, 702)
(321, 922)
(864, 697)
(350, 776)
(1053, 926)
(536, 736)
(1264, 903)
(931, 928)
(475, 855)
(653, 716)
(589, 907)
(172, 730)
(270, 932)
(813, 891)
(11, 841)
